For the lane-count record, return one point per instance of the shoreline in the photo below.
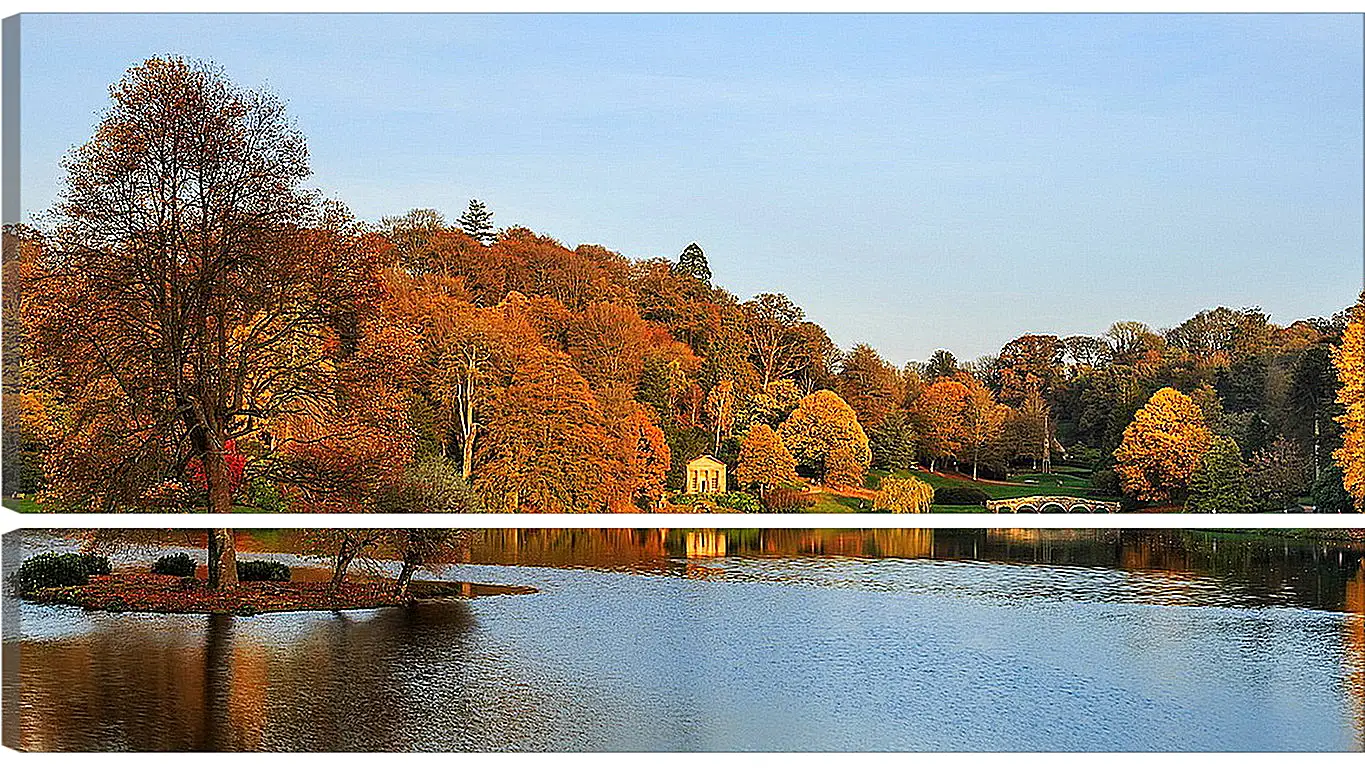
(152, 593)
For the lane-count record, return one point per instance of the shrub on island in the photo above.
(174, 565)
(262, 570)
(53, 570)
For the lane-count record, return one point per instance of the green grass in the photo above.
(833, 503)
(22, 505)
(27, 506)
(1055, 484)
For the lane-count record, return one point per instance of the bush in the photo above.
(264, 494)
(174, 565)
(262, 570)
(903, 495)
(51, 570)
(96, 565)
(787, 500)
(960, 495)
(1105, 481)
(738, 501)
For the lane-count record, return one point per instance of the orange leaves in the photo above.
(823, 432)
(764, 462)
(940, 417)
(1350, 363)
(1162, 447)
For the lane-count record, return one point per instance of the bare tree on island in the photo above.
(191, 290)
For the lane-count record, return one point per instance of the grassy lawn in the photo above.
(31, 506)
(1055, 484)
(1063, 481)
(22, 505)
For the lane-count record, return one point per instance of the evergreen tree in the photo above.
(477, 222)
(893, 442)
(1220, 482)
(1329, 492)
(692, 262)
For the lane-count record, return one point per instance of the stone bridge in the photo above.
(1050, 505)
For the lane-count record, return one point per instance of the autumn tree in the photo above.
(418, 548)
(983, 420)
(939, 416)
(903, 495)
(609, 343)
(1349, 359)
(1162, 447)
(720, 407)
(1219, 484)
(692, 262)
(764, 461)
(779, 342)
(546, 444)
(823, 427)
(477, 222)
(871, 385)
(644, 451)
(1030, 363)
(193, 290)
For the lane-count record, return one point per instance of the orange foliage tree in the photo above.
(546, 443)
(1350, 363)
(192, 288)
(823, 433)
(983, 421)
(1162, 447)
(764, 462)
(939, 415)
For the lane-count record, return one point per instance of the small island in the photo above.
(177, 584)
(151, 593)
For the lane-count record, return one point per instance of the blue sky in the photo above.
(914, 182)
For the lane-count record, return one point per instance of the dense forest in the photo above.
(191, 328)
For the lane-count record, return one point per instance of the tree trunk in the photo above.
(345, 554)
(467, 425)
(405, 579)
(222, 559)
(216, 473)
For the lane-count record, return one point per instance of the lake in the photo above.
(779, 640)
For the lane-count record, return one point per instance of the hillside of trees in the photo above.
(192, 328)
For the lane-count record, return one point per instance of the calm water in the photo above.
(904, 640)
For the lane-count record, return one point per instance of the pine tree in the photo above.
(893, 442)
(477, 222)
(692, 262)
(1220, 482)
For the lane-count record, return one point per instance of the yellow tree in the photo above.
(821, 423)
(1162, 447)
(903, 495)
(983, 419)
(1350, 362)
(764, 462)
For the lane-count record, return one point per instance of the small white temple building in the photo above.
(705, 474)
